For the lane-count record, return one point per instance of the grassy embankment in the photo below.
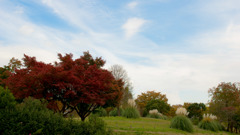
(149, 126)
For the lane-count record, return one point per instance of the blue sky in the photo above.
(180, 48)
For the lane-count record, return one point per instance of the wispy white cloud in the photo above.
(132, 5)
(133, 26)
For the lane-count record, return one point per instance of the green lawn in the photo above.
(149, 126)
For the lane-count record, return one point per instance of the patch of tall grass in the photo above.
(182, 122)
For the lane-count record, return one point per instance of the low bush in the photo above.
(114, 112)
(32, 117)
(131, 112)
(94, 126)
(101, 112)
(182, 122)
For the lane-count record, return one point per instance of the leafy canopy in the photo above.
(144, 98)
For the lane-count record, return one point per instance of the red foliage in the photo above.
(79, 84)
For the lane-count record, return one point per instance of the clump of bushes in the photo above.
(209, 123)
(155, 114)
(32, 117)
(181, 121)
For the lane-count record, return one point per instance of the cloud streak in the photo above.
(133, 26)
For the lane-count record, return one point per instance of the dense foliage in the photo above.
(81, 84)
(7, 100)
(196, 111)
(32, 117)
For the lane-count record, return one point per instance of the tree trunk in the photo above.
(118, 111)
(83, 118)
(228, 127)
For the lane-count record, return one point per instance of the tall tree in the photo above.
(225, 99)
(121, 74)
(144, 98)
(81, 84)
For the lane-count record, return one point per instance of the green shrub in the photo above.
(33, 117)
(7, 100)
(114, 112)
(131, 112)
(101, 112)
(211, 125)
(94, 126)
(182, 123)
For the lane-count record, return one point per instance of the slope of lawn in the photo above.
(148, 126)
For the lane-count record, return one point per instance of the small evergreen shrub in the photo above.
(181, 122)
(131, 112)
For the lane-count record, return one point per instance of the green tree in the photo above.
(196, 110)
(158, 104)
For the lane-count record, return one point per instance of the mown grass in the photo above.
(149, 126)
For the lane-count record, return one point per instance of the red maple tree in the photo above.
(81, 84)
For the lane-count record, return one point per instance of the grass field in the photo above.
(149, 126)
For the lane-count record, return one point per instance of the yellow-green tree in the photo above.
(144, 98)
